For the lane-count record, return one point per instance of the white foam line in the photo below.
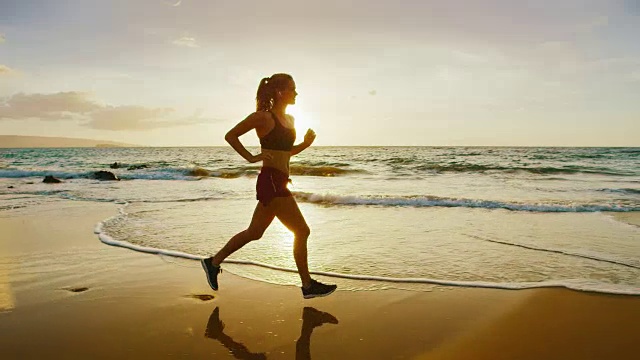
(98, 228)
(434, 201)
(557, 251)
(474, 284)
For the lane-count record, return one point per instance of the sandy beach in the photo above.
(65, 295)
(462, 176)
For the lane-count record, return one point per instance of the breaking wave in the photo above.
(435, 201)
(462, 167)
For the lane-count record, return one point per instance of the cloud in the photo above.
(187, 41)
(78, 106)
(592, 24)
(46, 106)
(5, 70)
(632, 6)
(129, 118)
(138, 118)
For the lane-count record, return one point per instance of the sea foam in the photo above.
(574, 284)
(435, 201)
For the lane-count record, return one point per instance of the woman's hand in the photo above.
(309, 137)
(260, 157)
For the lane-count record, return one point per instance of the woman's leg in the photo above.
(287, 211)
(262, 218)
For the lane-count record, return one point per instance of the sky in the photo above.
(368, 72)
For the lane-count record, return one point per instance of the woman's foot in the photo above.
(317, 289)
(212, 272)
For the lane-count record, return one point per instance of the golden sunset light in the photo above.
(337, 180)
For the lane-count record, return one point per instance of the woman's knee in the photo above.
(302, 232)
(254, 234)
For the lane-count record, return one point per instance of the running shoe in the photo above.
(212, 272)
(318, 289)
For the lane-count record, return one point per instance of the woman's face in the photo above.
(288, 94)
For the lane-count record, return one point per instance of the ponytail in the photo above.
(264, 96)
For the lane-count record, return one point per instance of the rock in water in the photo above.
(51, 180)
(104, 175)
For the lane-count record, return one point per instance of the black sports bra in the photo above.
(279, 138)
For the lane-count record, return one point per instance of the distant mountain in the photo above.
(18, 141)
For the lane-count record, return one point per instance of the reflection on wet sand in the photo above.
(311, 318)
(6, 294)
(215, 330)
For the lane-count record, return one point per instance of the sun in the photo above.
(303, 120)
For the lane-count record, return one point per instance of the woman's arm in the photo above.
(309, 137)
(252, 121)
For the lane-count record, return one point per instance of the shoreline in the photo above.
(75, 297)
(401, 283)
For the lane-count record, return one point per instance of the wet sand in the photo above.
(63, 294)
(631, 218)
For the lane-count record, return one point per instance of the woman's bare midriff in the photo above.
(279, 160)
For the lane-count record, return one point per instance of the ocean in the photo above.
(415, 218)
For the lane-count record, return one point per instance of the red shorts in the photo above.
(271, 183)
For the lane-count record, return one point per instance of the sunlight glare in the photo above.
(303, 120)
(7, 302)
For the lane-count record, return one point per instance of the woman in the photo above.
(277, 134)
